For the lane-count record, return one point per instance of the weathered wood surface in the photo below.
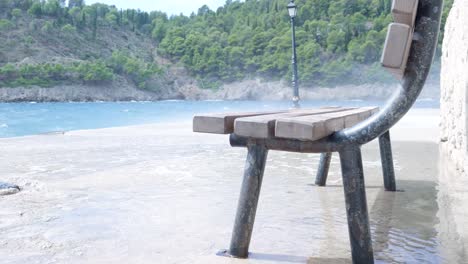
(399, 37)
(314, 127)
(396, 48)
(302, 124)
(404, 11)
(222, 123)
(264, 126)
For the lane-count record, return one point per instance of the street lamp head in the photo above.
(292, 9)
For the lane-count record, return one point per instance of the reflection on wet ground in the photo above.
(403, 223)
(126, 196)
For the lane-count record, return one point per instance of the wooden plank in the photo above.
(396, 49)
(222, 123)
(319, 126)
(404, 11)
(264, 126)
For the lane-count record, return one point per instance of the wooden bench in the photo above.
(300, 124)
(288, 127)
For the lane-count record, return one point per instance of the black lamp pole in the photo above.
(292, 10)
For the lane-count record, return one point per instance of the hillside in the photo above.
(338, 42)
(52, 48)
(54, 44)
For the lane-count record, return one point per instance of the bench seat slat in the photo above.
(222, 123)
(319, 126)
(264, 126)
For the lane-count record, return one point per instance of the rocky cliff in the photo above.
(121, 90)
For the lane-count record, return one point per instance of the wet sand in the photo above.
(162, 194)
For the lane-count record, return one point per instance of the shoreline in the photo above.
(241, 90)
(424, 99)
(402, 131)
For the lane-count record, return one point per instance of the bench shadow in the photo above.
(411, 214)
(296, 259)
(278, 257)
(329, 261)
(341, 186)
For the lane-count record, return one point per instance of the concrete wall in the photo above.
(454, 84)
(453, 169)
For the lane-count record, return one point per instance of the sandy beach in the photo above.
(162, 194)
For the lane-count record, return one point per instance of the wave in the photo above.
(173, 100)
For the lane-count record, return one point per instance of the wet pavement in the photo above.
(161, 194)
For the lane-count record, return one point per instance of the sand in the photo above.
(162, 194)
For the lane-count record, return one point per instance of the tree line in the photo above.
(89, 72)
(338, 41)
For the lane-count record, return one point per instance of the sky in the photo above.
(171, 7)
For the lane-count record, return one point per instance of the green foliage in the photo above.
(159, 29)
(140, 72)
(76, 16)
(253, 38)
(29, 40)
(339, 40)
(7, 71)
(94, 71)
(15, 13)
(25, 75)
(5, 25)
(48, 74)
(112, 18)
(52, 8)
(35, 9)
(47, 27)
(97, 71)
(69, 29)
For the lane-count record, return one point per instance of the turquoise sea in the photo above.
(20, 119)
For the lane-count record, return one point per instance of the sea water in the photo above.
(21, 119)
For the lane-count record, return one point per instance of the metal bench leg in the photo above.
(387, 162)
(248, 200)
(322, 172)
(356, 205)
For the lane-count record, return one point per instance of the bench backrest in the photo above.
(399, 37)
(412, 39)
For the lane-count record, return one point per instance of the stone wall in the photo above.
(453, 172)
(454, 85)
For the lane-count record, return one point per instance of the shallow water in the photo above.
(166, 195)
(19, 119)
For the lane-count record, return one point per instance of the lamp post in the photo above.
(292, 10)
